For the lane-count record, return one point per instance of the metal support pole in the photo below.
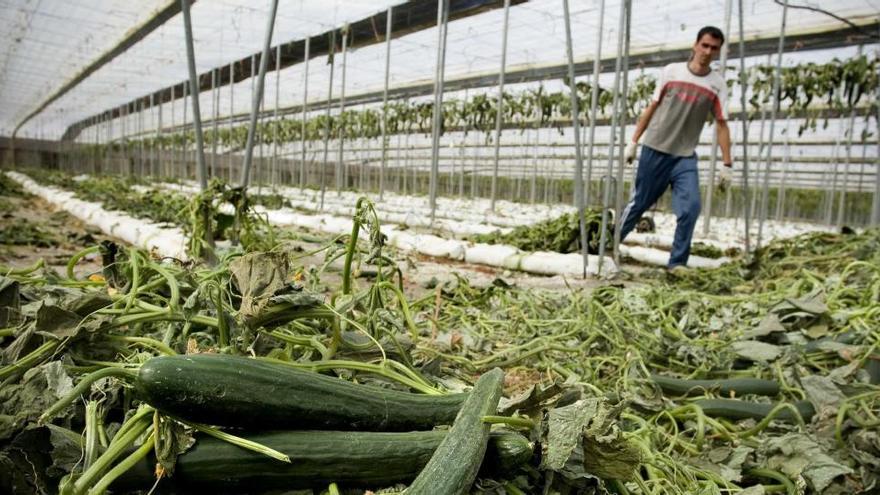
(201, 169)
(777, 75)
(713, 155)
(388, 22)
(305, 112)
(140, 130)
(215, 101)
(594, 101)
(621, 159)
(331, 61)
(606, 196)
(841, 209)
(832, 193)
(183, 144)
(340, 166)
(745, 127)
(230, 161)
(258, 97)
(442, 17)
(275, 123)
(160, 148)
(499, 106)
(780, 194)
(173, 153)
(576, 125)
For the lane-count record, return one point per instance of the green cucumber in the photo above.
(454, 465)
(740, 409)
(236, 391)
(317, 458)
(736, 386)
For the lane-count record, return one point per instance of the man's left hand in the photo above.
(724, 177)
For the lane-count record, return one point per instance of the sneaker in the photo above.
(677, 270)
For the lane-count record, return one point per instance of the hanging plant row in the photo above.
(840, 85)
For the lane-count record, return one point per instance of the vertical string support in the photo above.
(578, 158)
(606, 193)
(621, 159)
(331, 61)
(305, 112)
(388, 22)
(713, 155)
(594, 101)
(745, 128)
(258, 98)
(201, 168)
(340, 166)
(499, 105)
(777, 75)
(442, 17)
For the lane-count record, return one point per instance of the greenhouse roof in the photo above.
(47, 44)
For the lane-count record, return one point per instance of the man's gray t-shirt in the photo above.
(686, 100)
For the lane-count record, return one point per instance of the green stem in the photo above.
(30, 360)
(774, 475)
(221, 319)
(241, 442)
(40, 263)
(172, 285)
(311, 341)
(352, 246)
(516, 422)
(78, 256)
(92, 435)
(138, 425)
(7, 332)
(319, 366)
(772, 414)
(123, 466)
(84, 384)
(134, 258)
(146, 341)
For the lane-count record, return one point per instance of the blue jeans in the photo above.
(658, 171)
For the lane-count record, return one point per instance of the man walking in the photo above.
(686, 95)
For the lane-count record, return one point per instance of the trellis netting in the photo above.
(40, 52)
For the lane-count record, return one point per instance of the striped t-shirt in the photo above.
(686, 100)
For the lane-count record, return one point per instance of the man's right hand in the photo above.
(630, 153)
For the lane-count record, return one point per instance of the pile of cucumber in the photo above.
(333, 431)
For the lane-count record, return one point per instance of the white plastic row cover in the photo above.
(164, 241)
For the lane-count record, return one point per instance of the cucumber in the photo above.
(737, 386)
(454, 465)
(236, 391)
(317, 458)
(740, 409)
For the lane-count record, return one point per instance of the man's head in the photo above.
(708, 44)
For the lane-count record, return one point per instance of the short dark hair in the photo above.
(711, 31)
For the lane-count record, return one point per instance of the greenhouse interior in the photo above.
(440, 247)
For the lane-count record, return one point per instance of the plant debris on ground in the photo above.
(761, 376)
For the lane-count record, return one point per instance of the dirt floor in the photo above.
(422, 274)
(59, 236)
(31, 229)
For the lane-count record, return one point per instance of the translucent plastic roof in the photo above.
(51, 51)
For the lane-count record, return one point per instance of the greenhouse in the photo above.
(434, 247)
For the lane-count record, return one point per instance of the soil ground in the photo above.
(65, 235)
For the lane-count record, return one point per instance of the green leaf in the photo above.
(174, 439)
(259, 276)
(753, 350)
(591, 426)
(54, 321)
(798, 455)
